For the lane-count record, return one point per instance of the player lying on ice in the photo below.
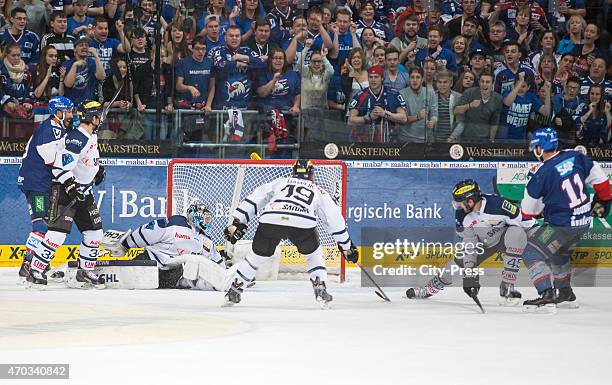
(288, 208)
(186, 258)
(557, 190)
(498, 226)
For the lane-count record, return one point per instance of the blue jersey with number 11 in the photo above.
(559, 189)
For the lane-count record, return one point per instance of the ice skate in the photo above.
(321, 294)
(508, 295)
(544, 304)
(233, 295)
(417, 293)
(36, 280)
(24, 270)
(566, 299)
(87, 278)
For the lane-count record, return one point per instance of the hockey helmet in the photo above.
(199, 217)
(544, 137)
(88, 109)
(62, 104)
(464, 190)
(303, 169)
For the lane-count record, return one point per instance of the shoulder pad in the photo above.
(499, 206)
(178, 220)
(75, 141)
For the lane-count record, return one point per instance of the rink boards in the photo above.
(406, 195)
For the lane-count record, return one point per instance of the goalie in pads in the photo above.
(288, 208)
(186, 258)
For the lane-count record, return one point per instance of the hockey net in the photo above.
(221, 184)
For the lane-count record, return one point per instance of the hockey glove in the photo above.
(352, 254)
(227, 260)
(235, 231)
(471, 285)
(73, 191)
(600, 208)
(100, 175)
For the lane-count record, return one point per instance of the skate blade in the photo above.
(568, 305)
(509, 302)
(31, 286)
(550, 308)
(325, 305)
(227, 304)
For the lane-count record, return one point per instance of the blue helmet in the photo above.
(546, 138)
(61, 103)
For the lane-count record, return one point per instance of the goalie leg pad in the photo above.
(206, 274)
(316, 265)
(141, 274)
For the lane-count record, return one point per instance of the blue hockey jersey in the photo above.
(559, 189)
(35, 171)
(234, 87)
(28, 42)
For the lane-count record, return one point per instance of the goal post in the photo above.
(221, 184)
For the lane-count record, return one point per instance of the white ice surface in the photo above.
(278, 335)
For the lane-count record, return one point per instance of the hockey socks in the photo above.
(44, 252)
(248, 267)
(316, 265)
(539, 272)
(89, 249)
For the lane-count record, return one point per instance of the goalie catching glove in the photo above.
(600, 208)
(235, 231)
(352, 254)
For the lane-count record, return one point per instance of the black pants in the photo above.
(268, 236)
(84, 214)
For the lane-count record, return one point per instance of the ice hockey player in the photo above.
(494, 223)
(177, 244)
(35, 171)
(76, 169)
(558, 190)
(288, 208)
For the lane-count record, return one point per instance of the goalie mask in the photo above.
(199, 217)
(464, 191)
(303, 169)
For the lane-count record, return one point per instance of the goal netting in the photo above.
(221, 184)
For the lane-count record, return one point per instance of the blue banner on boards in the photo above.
(132, 194)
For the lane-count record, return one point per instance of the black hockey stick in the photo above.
(380, 292)
(105, 111)
(475, 298)
(496, 191)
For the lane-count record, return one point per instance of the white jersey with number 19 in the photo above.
(294, 202)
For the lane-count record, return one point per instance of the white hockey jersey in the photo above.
(487, 225)
(294, 202)
(164, 239)
(78, 157)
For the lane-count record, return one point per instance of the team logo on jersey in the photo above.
(565, 168)
(57, 133)
(67, 159)
(508, 207)
(150, 225)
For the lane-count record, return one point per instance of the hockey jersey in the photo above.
(297, 203)
(39, 156)
(164, 239)
(488, 224)
(78, 157)
(28, 42)
(234, 87)
(558, 188)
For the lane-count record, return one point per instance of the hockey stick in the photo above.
(496, 191)
(66, 208)
(107, 109)
(475, 298)
(380, 292)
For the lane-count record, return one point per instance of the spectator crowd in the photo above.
(407, 71)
